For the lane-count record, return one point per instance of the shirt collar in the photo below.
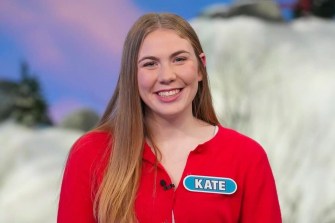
(149, 156)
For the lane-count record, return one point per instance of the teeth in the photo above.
(168, 93)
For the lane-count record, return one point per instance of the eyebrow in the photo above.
(171, 56)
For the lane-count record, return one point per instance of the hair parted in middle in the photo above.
(124, 119)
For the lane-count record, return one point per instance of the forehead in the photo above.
(164, 40)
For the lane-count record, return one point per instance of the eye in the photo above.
(149, 64)
(180, 59)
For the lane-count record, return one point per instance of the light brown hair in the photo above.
(124, 118)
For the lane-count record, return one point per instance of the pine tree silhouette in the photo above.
(27, 104)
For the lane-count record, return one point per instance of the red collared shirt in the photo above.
(227, 155)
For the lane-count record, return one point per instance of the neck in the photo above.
(163, 129)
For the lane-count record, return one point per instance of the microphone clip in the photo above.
(165, 186)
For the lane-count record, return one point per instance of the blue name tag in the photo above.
(206, 184)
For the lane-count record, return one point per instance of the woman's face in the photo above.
(168, 74)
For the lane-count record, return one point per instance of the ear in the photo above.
(203, 60)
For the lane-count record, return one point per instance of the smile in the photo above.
(169, 93)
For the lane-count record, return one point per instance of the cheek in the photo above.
(145, 81)
(190, 74)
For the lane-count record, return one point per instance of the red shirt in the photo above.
(229, 155)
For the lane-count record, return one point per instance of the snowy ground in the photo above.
(274, 82)
(31, 165)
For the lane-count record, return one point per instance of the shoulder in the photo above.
(91, 142)
(239, 143)
(82, 175)
(91, 148)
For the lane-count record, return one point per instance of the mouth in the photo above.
(169, 93)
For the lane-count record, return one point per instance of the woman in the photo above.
(159, 153)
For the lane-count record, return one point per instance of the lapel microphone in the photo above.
(165, 186)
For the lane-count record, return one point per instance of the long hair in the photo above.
(124, 118)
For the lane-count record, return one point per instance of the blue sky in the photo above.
(74, 47)
(188, 9)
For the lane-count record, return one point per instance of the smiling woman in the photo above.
(168, 76)
(159, 153)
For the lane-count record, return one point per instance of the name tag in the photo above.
(206, 184)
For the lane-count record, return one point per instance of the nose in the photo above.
(166, 74)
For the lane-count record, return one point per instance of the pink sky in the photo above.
(74, 46)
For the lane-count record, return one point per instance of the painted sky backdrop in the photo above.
(74, 47)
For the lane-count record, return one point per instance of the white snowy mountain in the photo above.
(276, 83)
(273, 81)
